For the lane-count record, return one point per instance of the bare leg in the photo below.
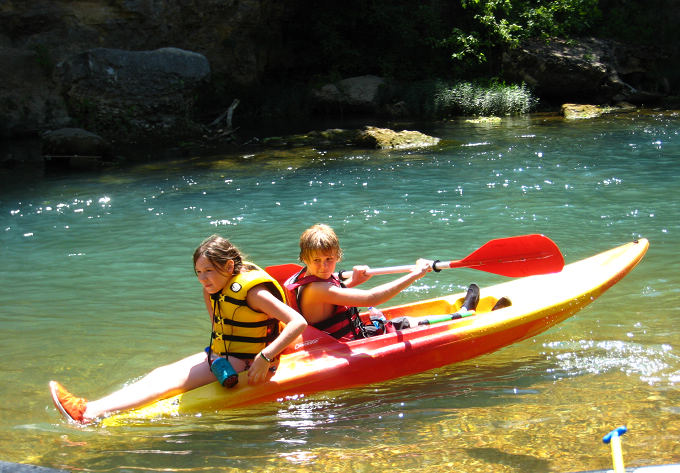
(166, 381)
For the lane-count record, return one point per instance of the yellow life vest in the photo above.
(238, 330)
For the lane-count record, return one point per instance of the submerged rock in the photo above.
(384, 138)
(572, 111)
(369, 137)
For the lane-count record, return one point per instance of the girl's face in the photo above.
(212, 278)
(321, 264)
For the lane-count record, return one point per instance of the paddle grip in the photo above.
(618, 432)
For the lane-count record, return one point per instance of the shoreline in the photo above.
(24, 155)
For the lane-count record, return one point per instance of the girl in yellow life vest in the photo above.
(245, 305)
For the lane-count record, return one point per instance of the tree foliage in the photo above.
(494, 25)
(408, 39)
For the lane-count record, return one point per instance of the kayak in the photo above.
(317, 362)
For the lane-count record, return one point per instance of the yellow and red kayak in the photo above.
(317, 362)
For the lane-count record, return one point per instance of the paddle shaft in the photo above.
(617, 455)
(437, 266)
(523, 255)
(614, 438)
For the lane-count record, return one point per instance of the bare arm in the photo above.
(350, 296)
(259, 298)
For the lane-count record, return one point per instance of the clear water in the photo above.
(97, 289)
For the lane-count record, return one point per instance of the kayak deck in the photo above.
(318, 362)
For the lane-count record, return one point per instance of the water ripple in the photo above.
(651, 363)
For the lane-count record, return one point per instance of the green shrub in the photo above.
(465, 98)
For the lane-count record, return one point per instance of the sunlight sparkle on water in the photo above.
(74, 274)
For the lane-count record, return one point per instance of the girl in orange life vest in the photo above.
(324, 301)
(229, 284)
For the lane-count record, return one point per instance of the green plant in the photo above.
(465, 98)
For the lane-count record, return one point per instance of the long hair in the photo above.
(218, 251)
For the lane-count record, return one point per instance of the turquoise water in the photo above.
(98, 289)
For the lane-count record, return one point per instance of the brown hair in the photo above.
(319, 237)
(218, 251)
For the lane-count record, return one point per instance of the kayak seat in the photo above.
(489, 303)
(485, 304)
(502, 303)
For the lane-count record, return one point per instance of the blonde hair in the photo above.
(319, 237)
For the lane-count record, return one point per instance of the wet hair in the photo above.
(218, 251)
(319, 237)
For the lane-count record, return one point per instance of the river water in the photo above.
(98, 289)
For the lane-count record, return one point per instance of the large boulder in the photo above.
(240, 38)
(230, 33)
(137, 94)
(588, 70)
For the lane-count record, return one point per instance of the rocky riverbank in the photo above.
(136, 74)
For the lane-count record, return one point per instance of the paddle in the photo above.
(617, 452)
(517, 256)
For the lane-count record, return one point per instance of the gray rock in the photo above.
(136, 73)
(74, 141)
(74, 148)
(136, 94)
(354, 94)
(588, 70)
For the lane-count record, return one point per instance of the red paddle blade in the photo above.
(281, 272)
(515, 256)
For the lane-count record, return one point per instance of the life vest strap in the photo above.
(238, 338)
(222, 297)
(238, 323)
(241, 356)
(349, 322)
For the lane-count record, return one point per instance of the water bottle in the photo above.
(377, 318)
(224, 372)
